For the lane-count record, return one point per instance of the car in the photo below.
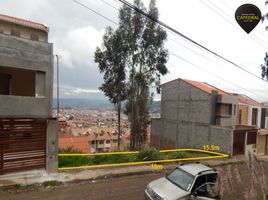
(193, 181)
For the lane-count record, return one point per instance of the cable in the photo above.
(191, 63)
(185, 60)
(227, 18)
(83, 5)
(110, 5)
(176, 41)
(230, 8)
(185, 37)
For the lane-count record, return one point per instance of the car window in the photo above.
(200, 180)
(212, 177)
(207, 190)
(181, 178)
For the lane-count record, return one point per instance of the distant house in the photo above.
(94, 139)
(28, 133)
(198, 115)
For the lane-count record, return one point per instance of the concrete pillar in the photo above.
(52, 146)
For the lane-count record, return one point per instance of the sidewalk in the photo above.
(40, 176)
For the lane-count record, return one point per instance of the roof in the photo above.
(77, 143)
(244, 99)
(194, 168)
(23, 22)
(263, 132)
(205, 87)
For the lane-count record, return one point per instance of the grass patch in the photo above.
(51, 183)
(147, 154)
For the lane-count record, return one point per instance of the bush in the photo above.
(148, 154)
(51, 183)
(69, 150)
(177, 155)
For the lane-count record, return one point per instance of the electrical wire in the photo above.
(97, 13)
(219, 77)
(186, 37)
(177, 41)
(185, 60)
(227, 18)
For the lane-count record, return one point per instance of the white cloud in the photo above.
(77, 47)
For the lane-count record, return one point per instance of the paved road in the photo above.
(130, 188)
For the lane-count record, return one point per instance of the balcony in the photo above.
(227, 99)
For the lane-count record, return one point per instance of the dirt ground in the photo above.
(237, 181)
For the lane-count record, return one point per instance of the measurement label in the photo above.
(156, 166)
(208, 147)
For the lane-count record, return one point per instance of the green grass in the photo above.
(51, 183)
(147, 154)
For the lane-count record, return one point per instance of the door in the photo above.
(22, 144)
(206, 191)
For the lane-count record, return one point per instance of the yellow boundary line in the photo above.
(218, 155)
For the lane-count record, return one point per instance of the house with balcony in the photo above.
(195, 114)
(104, 140)
(28, 133)
(253, 113)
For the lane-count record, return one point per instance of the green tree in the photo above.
(111, 60)
(264, 67)
(143, 57)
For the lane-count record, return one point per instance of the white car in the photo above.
(191, 181)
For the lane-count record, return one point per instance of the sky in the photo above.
(76, 32)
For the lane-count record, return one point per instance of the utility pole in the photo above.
(58, 101)
(118, 120)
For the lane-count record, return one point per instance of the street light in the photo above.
(58, 101)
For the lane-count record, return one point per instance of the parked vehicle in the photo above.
(192, 181)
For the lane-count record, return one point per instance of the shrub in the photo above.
(148, 154)
(69, 150)
(177, 155)
(51, 183)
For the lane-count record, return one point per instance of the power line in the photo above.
(110, 5)
(230, 8)
(227, 18)
(185, 60)
(219, 77)
(185, 37)
(175, 40)
(97, 13)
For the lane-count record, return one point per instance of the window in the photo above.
(34, 37)
(181, 178)
(5, 84)
(93, 142)
(254, 116)
(101, 142)
(224, 109)
(204, 179)
(114, 141)
(40, 79)
(240, 117)
(17, 82)
(234, 109)
(107, 141)
(102, 133)
(266, 122)
(15, 33)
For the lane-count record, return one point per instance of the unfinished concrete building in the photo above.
(198, 115)
(28, 133)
